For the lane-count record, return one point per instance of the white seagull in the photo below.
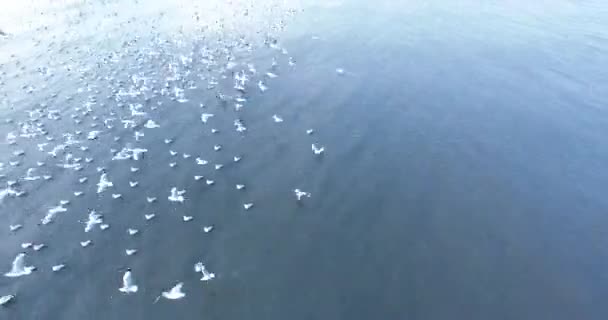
(176, 195)
(317, 150)
(299, 194)
(19, 268)
(174, 293)
(128, 284)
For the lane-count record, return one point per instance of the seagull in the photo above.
(310, 131)
(205, 117)
(188, 218)
(198, 177)
(174, 293)
(172, 164)
(186, 156)
(133, 169)
(240, 186)
(128, 284)
(133, 184)
(83, 179)
(130, 252)
(271, 75)
(77, 193)
(168, 141)
(38, 247)
(26, 245)
(14, 227)
(58, 267)
(173, 153)
(210, 182)
(104, 183)
(4, 300)
(149, 216)
(262, 86)
(200, 267)
(247, 206)
(207, 229)
(213, 130)
(218, 166)
(150, 199)
(237, 159)
(104, 226)
(86, 243)
(217, 147)
(151, 124)
(201, 162)
(277, 119)
(19, 268)
(132, 232)
(299, 194)
(340, 71)
(317, 150)
(94, 219)
(116, 195)
(176, 195)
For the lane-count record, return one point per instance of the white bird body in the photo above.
(128, 284)
(175, 292)
(19, 268)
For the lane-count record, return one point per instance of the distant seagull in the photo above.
(47, 177)
(205, 117)
(210, 182)
(19, 268)
(277, 119)
(88, 160)
(132, 232)
(149, 216)
(133, 169)
(130, 252)
(317, 150)
(168, 141)
(174, 293)
(247, 206)
(133, 184)
(217, 147)
(128, 284)
(200, 268)
(94, 219)
(4, 300)
(14, 227)
(77, 193)
(299, 194)
(150, 199)
(340, 71)
(218, 166)
(176, 195)
(58, 267)
(116, 195)
(213, 130)
(237, 159)
(103, 183)
(186, 156)
(310, 131)
(207, 229)
(104, 226)
(38, 247)
(85, 244)
(173, 164)
(201, 162)
(240, 186)
(262, 86)
(173, 153)
(188, 218)
(83, 179)
(151, 124)
(197, 178)
(26, 245)
(271, 75)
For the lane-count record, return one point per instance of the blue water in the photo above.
(463, 178)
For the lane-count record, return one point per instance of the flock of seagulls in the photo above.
(126, 116)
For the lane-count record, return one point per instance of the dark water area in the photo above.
(463, 174)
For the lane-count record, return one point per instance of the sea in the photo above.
(337, 159)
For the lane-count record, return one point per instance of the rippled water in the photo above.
(463, 175)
